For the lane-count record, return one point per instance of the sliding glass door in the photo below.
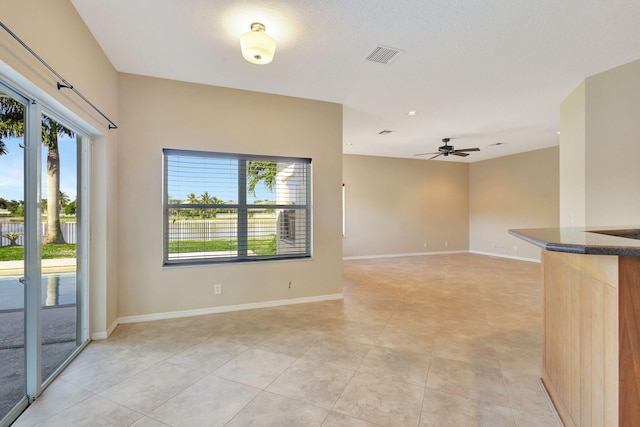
(13, 393)
(61, 331)
(43, 248)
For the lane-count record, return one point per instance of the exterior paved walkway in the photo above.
(58, 265)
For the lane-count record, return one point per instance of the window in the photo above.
(289, 224)
(221, 207)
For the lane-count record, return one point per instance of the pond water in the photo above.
(57, 289)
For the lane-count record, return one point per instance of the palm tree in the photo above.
(50, 131)
(261, 171)
(11, 120)
(64, 200)
(206, 199)
(192, 199)
(12, 125)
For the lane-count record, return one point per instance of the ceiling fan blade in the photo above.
(425, 154)
(468, 149)
(457, 153)
(437, 155)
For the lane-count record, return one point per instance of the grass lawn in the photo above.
(15, 253)
(260, 246)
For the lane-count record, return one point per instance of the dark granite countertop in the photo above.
(585, 240)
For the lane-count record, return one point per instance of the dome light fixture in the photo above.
(257, 46)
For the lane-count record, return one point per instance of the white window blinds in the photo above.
(222, 207)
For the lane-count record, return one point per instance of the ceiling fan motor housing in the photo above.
(446, 149)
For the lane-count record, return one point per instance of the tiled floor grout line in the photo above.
(433, 290)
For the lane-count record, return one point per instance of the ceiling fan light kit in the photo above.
(257, 46)
(447, 149)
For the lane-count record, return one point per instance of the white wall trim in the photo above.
(228, 308)
(518, 258)
(103, 335)
(211, 310)
(99, 336)
(347, 258)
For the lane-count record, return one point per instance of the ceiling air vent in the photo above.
(383, 54)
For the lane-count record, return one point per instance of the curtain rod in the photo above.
(63, 84)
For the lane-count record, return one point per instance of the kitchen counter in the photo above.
(591, 322)
(586, 240)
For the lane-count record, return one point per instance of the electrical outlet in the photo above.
(425, 244)
(494, 244)
(217, 288)
(515, 248)
(446, 243)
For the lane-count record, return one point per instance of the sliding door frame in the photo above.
(34, 383)
(27, 289)
(33, 247)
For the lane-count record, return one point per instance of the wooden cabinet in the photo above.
(591, 338)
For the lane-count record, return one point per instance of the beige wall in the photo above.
(54, 30)
(600, 148)
(518, 191)
(572, 159)
(613, 147)
(157, 114)
(395, 206)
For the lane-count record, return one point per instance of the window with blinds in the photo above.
(221, 207)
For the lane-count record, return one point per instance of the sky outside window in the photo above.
(12, 166)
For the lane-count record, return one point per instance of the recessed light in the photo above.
(412, 113)
(558, 133)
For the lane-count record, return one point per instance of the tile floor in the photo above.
(441, 340)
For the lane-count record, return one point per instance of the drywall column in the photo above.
(599, 150)
(572, 159)
(613, 146)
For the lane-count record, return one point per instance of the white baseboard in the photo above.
(440, 253)
(347, 258)
(505, 256)
(103, 335)
(225, 309)
(211, 310)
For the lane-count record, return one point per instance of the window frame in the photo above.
(242, 207)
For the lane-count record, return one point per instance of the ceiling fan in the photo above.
(447, 149)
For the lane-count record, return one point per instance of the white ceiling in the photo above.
(480, 72)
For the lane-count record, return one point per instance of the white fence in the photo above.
(225, 228)
(69, 232)
(221, 228)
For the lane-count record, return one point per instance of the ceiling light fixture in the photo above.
(257, 47)
(412, 113)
